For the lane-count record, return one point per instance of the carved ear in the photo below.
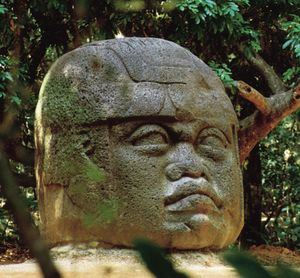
(270, 111)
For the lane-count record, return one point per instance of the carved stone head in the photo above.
(136, 137)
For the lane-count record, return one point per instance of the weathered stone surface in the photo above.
(136, 137)
(81, 268)
(82, 260)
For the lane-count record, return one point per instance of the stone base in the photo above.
(83, 269)
(84, 259)
(91, 252)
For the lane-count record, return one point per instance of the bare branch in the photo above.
(247, 92)
(274, 81)
(258, 125)
(24, 221)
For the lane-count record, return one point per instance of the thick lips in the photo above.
(188, 194)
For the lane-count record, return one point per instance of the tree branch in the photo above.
(24, 221)
(274, 81)
(260, 123)
(247, 92)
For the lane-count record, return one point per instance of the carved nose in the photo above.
(188, 164)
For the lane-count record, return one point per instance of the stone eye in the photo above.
(212, 137)
(150, 139)
(212, 143)
(149, 135)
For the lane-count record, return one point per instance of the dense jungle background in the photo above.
(250, 40)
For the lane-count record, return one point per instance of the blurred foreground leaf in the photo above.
(155, 260)
(286, 272)
(247, 267)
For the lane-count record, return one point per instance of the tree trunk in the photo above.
(251, 233)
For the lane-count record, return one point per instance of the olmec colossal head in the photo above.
(136, 137)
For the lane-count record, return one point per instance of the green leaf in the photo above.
(287, 43)
(181, 8)
(155, 260)
(291, 73)
(6, 76)
(283, 271)
(16, 100)
(2, 9)
(246, 265)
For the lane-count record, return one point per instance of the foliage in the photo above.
(5, 75)
(225, 74)
(293, 37)
(292, 75)
(221, 17)
(155, 260)
(7, 227)
(281, 193)
(8, 230)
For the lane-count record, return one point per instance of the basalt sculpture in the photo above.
(136, 137)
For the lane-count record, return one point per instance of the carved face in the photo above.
(178, 180)
(157, 120)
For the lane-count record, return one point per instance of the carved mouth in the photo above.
(192, 195)
(193, 203)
